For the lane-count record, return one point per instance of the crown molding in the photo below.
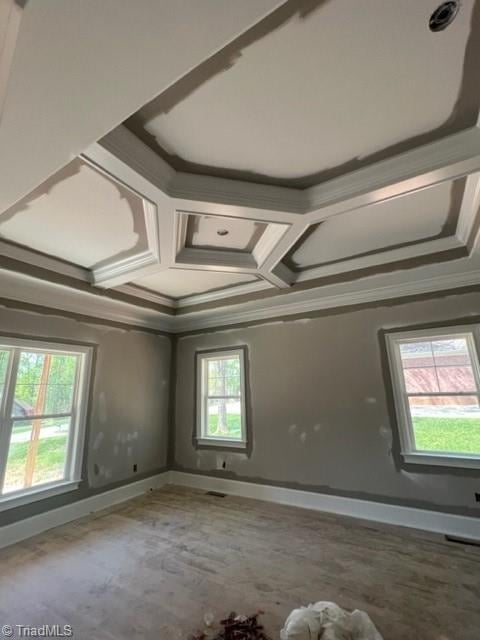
(187, 188)
(429, 247)
(117, 272)
(219, 294)
(147, 294)
(306, 302)
(469, 209)
(169, 196)
(446, 159)
(121, 143)
(124, 270)
(215, 260)
(43, 261)
(50, 297)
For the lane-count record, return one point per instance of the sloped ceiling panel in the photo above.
(80, 216)
(326, 92)
(424, 215)
(82, 66)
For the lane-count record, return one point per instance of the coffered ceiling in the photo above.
(329, 149)
(330, 90)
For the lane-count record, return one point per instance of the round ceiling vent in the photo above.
(444, 15)
(222, 232)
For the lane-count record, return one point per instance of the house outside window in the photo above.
(220, 398)
(436, 384)
(43, 403)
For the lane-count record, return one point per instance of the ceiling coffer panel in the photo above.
(335, 86)
(216, 232)
(412, 219)
(79, 215)
(179, 283)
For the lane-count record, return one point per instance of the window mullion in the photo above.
(204, 398)
(69, 469)
(6, 413)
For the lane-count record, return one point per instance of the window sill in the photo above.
(221, 443)
(19, 498)
(442, 460)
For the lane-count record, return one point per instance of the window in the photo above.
(221, 417)
(436, 384)
(43, 397)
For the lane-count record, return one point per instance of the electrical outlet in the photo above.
(134, 468)
(224, 465)
(477, 497)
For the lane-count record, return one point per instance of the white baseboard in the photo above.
(434, 521)
(17, 531)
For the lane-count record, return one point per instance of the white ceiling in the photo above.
(312, 90)
(411, 218)
(209, 232)
(80, 67)
(79, 216)
(178, 283)
(348, 80)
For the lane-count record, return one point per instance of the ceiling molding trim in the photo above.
(43, 261)
(273, 263)
(215, 260)
(249, 195)
(284, 307)
(469, 209)
(117, 272)
(427, 248)
(147, 294)
(268, 242)
(30, 290)
(451, 157)
(281, 277)
(220, 294)
(126, 146)
(182, 226)
(125, 270)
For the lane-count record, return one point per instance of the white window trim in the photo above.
(407, 441)
(202, 439)
(79, 410)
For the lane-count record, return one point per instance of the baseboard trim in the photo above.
(433, 521)
(17, 531)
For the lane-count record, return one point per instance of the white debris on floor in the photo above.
(328, 621)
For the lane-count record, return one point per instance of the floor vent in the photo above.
(469, 541)
(217, 494)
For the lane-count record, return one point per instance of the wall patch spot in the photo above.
(98, 441)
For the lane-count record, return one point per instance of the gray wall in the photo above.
(321, 409)
(128, 412)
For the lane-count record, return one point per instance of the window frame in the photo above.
(78, 413)
(202, 439)
(408, 449)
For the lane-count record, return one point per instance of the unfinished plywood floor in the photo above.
(152, 567)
